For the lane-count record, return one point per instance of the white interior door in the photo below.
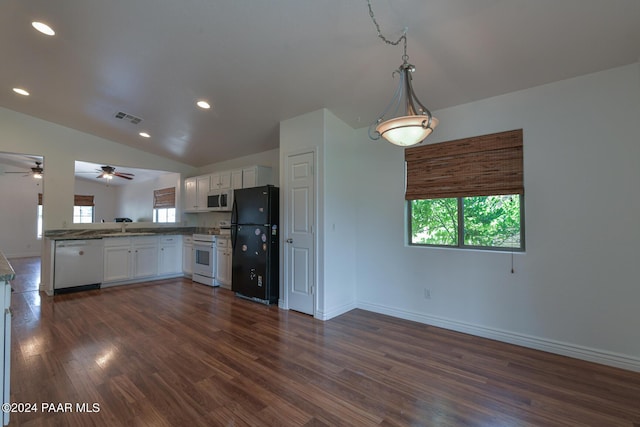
(299, 251)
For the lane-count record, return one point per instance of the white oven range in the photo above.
(204, 259)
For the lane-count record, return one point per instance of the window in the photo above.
(82, 214)
(484, 222)
(39, 223)
(164, 205)
(164, 215)
(83, 208)
(467, 193)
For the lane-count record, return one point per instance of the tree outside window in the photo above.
(492, 222)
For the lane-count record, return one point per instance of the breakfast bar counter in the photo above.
(6, 271)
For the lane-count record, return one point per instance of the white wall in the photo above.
(105, 198)
(304, 133)
(19, 215)
(339, 217)
(269, 158)
(333, 142)
(576, 289)
(61, 147)
(135, 199)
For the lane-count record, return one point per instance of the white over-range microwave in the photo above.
(220, 200)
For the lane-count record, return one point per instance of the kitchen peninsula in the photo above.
(7, 274)
(100, 257)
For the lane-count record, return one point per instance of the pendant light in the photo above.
(405, 121)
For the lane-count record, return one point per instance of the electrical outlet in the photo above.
(427, 293)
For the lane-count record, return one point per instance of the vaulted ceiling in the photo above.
(259, 62)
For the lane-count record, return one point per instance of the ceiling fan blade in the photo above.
(121, 175)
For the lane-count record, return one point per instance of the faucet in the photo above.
(123, 227)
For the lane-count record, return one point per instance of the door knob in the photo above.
(289, 240)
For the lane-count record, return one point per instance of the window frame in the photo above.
(156, 215)
(460, 230)
(93, 214)
(39, 222)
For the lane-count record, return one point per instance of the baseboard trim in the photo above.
(322, 315)
(557, 347)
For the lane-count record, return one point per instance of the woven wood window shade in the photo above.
(164, 198)
(484, 165)
(79, 200)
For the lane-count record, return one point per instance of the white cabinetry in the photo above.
(196, 190)
(223, 262)
(5, 351)
(236, 179)
(256, 176)
(169, 255)
(145, 257)
(190, 195)
(187, 255)
(130, 258)
(221, 181)
(117, 260)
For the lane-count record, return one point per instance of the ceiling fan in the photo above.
(36, 171)
(108, 172)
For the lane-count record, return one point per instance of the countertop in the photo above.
(6, 271)
(94, 233)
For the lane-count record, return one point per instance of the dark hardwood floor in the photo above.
(176, 353)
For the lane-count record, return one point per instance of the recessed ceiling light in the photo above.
(43, 28)
(20, 91)
(203, 104)
(144, 135)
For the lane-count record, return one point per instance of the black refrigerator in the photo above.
(254, 239)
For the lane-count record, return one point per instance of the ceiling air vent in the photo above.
(128, 117)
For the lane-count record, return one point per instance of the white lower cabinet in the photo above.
(145, 257)
(130, 258)
(169, 255)
(223, 262)
(187, 255)
(134, 259)
(117, 260)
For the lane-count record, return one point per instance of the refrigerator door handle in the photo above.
(234, 234)
(234, 212)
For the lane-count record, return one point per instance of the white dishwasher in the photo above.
(78, 265)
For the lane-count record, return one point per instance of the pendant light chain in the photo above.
(403, 37)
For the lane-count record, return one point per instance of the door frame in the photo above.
(284, 198)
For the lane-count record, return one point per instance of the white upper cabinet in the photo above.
(256, 176)
(221, 181)
(236, 179)
(197, 188)
(195, 193)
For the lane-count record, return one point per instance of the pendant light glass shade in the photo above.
(405, 121)
(406, 130)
